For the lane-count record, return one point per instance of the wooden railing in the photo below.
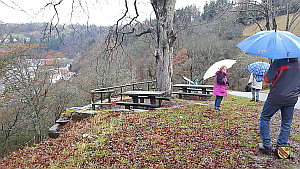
(116, 90)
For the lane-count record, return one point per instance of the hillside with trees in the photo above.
(116, 55)
(70, 39)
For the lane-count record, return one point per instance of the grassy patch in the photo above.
(189, 136)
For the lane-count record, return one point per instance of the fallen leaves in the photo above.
(190, 136)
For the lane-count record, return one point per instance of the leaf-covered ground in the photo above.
(187, 136)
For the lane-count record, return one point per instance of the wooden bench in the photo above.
(142, 98)
(192, 94)
(160, 99)
(209, 91)
(129, 104)
(195, 89)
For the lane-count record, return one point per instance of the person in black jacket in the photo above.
(284, 76)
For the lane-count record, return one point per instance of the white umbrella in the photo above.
(211, 71)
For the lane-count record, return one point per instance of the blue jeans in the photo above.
(218, 101)
(286, 123)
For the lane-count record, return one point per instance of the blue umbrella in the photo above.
(258, 68)
(272, 44)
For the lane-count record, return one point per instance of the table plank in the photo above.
(143, 93)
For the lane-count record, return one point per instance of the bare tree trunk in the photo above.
(164, 11)
(273, 16)
(287, 17)
(267, 11)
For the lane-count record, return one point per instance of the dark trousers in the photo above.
(255, 94)
(287, 113)
(218, 101)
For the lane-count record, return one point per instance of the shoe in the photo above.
(252, 100)
(218, 108)
(257, 100)
(283, 151)
(265, 149)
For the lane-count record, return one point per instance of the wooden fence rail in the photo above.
(113, 91)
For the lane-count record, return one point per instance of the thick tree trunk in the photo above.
(164, 11)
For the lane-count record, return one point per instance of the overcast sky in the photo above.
(101, 12)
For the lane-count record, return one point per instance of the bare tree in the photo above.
(164, 36)
(25, 97)
(251, 11)
(292, 10)
(164, 12)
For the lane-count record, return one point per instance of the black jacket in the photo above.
(284, 76)
(221, 76)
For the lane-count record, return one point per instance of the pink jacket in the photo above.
(221, 84)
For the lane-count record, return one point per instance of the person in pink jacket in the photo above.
(220, 86)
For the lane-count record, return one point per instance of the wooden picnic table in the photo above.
(136, 95)
(188, 87)
(150, 94)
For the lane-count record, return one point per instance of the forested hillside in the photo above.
(70, 39)
(31, 103)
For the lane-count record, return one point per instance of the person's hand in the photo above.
(227, 83)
